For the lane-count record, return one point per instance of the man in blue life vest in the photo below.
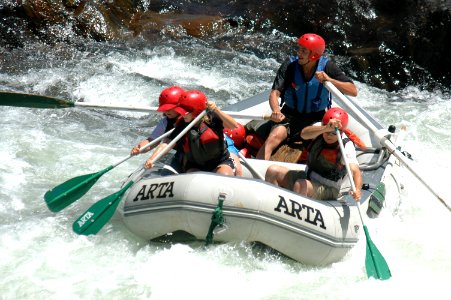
(299, 85)
(325, 177)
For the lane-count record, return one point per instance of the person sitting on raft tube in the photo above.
(299, 84)
(326, 170)
(203, 145)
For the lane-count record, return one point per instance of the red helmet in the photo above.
(314, 43)
(237, 135)
(192, 101)
(169, 98)
(336, 113)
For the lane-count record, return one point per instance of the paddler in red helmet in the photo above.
(325, 175)
(299, 85)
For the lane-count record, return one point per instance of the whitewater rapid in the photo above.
(41, 258)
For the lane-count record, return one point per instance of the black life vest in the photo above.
(325, 159)
(204, 146)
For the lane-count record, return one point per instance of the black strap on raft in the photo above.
(405, 153)
(216, 219)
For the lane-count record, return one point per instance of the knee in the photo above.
(300, 187)
(277, 133)
(225, 170)
(239, 171)
(272, 174)
(238, 167)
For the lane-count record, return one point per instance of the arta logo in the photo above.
(85, 218)
(155, 190)
(301, 212)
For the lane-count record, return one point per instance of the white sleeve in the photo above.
(351, 155)
(159, 129)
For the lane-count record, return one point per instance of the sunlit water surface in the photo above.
(41, 258)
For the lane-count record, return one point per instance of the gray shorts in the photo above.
(320, 191)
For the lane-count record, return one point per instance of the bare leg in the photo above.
(224, 170)
(276, 136)
(276, 175)
(239, 168)
(303, 187)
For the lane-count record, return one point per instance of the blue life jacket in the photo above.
(310, 96)
(230, 145)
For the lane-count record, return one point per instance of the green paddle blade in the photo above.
(68, 192)
(33, 101)
(93, 220)
(375, 263)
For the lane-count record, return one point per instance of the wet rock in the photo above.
(387, 43)
(44, 11)
(194, 25)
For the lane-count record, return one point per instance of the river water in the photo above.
(41, 258)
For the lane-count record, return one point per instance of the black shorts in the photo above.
(295, 122)
(210, 167)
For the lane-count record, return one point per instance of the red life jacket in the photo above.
(203, 145)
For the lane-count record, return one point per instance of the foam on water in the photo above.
(41, 258)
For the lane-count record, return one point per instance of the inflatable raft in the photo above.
(218, 208)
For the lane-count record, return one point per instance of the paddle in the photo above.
(38, 101)
(253, 170)
(73, 189)
(93, 220)
(375, 264)
(384, 140)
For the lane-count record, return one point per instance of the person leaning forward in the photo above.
(167, 102)
(203, 146)
(299, 84)
(325, 176)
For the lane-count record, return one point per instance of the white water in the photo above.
(41, 258)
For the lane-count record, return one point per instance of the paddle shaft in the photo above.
(93, 220)
(179, 136)
(348, 169)
(150, 144)
(375, 263)
(251, 167)
(38, 101)
(73, 189)
(233, 114)
(384, 141)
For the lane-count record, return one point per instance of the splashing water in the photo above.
(42, 258)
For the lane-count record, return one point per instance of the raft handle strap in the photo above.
(216, 219)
